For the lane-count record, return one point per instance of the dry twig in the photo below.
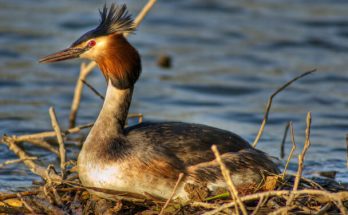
(34, 168)
(305, 148)
(62, 151)
(269, 104)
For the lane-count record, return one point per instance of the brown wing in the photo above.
(188, 143)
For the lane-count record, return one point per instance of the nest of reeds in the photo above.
(62, 193)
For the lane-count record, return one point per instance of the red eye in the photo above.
(91, 43)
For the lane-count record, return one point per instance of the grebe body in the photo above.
(148, 158)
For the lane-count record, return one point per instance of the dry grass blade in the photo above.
(62, 151)
(292, 148)
(269, 104)
(86, 70)
(227, 177)
(181, 175)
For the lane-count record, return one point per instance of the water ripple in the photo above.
(218, 90)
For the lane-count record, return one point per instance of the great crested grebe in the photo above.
(147, 158)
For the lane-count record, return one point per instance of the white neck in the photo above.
(111, 120)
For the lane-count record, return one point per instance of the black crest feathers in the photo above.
(115, 20)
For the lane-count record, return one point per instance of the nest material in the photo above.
(70, 198)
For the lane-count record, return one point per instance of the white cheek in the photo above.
(86, 55)
(95, 50)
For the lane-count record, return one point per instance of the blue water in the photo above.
(228, 57)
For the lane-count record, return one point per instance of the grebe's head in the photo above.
(106, 45)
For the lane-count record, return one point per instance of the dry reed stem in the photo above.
(292, 148)
(9, 162)
(301, 158)
(140, 116)
(282, 145)
(25, 203)
(143, 13)
(303, 153)
(269, 104)
(181, 175)
(47, 134)
(86, 70)
(33, 167)
(62, 151)
(342, 196)
(227, 177)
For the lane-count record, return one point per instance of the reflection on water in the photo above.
(228, 57)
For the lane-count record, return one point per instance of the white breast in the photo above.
(120, 177)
